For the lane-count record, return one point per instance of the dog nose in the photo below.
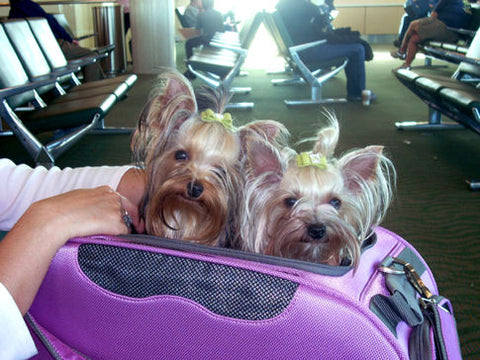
(194, 189)
(317, 231)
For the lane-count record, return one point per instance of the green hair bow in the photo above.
(224, 119)
(310, 159)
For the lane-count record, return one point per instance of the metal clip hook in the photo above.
(411, 274)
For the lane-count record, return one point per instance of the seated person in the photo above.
(70, 47)
(305, 23)
(414, 9)
(209, 21)
(191, 13)
(447, 13)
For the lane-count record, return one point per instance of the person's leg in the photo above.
(71, 51)
(412, 49)
(412, 30)
(192, 43)
(355, 69)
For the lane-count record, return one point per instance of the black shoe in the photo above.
(189, 75)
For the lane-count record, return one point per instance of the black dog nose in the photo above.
(194, 189)
(317, 231)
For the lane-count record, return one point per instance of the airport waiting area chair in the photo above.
(181, 18)
(41, 55)
(63, 22)
(64, 118)
(452, 52)
(219, 63)
(315, 74)
(456, 97)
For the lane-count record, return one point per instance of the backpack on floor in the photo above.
(142, 297)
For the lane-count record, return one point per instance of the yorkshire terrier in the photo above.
(192, 156)
(191, 161)
(312, 206)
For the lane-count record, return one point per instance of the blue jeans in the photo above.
(355, 69)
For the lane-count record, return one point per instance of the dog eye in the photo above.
(181, 155)
(290, 202)
(336, 203)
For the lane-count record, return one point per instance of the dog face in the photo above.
(192, 165)
(192, 184)
(311, 206)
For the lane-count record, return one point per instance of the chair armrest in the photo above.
(233, 48)
(301, 47)
(104, 50)
(465, 32)
(63, 71)
(15, 90)
(87, 60)
(455, 57)
(83, 37)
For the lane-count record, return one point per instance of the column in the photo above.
(153, 35)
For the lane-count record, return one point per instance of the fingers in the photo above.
(134, 214)
(86, 212)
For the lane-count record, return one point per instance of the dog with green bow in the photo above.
(312, 206)
(192, 154)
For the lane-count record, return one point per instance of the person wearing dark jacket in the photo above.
(70, 47)
(305, 23)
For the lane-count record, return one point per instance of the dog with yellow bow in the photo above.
(312, 206)
(192, 154)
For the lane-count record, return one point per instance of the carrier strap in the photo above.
(430, 316)
(403, 304)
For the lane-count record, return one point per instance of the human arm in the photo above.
(22, 185)
(27, 250)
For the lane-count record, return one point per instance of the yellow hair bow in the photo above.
(310, 159)
(224, 119)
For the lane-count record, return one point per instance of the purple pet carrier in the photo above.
(141, 297)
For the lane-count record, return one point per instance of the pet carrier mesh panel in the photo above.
(224, 290)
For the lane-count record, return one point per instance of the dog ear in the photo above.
(271, 131)
(360, 166)
(171, 103)
(263, 160)
(177, 84)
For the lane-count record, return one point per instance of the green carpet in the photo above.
(433, 208)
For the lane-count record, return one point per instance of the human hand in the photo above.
(83, 212)
(28, 248)
(76, 42)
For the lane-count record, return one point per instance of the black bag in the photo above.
(348, 36)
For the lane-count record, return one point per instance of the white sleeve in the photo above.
(15, 339)
(21, 185)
